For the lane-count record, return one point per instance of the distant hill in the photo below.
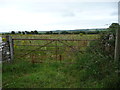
(87, 30)
(75, 30)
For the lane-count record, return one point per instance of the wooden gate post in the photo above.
(10, 45)
(117, 42)
(117, 45)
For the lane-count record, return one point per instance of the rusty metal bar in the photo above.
(52, 46)
(35, 50)
(45, 50)
(59, 39)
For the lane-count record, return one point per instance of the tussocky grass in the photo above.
(90, 71)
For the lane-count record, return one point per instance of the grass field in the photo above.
(89, 71)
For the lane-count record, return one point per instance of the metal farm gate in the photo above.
(48, 50)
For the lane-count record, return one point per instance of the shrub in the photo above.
(106, 43)
(81, 34)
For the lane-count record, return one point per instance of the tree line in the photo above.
(53, 32)
(25, 32)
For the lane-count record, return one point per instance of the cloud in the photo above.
(68, 14)
(30, 15)
(114, 13)
(59, 1)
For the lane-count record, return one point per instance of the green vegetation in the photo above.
(92, 69)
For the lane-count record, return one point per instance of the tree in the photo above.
(32, 32)
(35, 32)
(12, 32)
(113, 27)
(19, 32)
(50, 32)
(27, 32)
(47, 33)
(23, 32)
(64, 32)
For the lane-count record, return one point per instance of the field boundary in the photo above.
(56, 45)
(9, 44)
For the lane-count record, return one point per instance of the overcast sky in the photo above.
(27, 15)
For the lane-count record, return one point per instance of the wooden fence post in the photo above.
(117, 42)
(117, 46)
(10, 45)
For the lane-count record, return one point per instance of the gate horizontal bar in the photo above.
(50, 46)
(47, 50)
(59, 39)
